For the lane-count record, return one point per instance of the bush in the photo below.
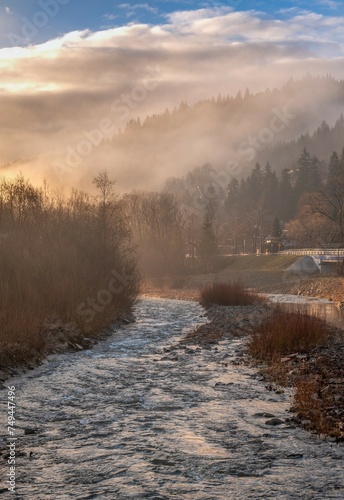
(285, 333)
(58, 258)
(228, 294)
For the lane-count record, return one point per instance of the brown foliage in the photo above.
(285, 333)
(228, 294)
(56, 257)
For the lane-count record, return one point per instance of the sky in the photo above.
(67, 65)
(19, 18)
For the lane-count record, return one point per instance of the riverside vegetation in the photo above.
(57, 254)
(304, 351)
(228, 294)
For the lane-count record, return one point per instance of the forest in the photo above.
(272, 125)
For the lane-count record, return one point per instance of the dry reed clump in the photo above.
(228, 294)
(285, 333)
(47, 283)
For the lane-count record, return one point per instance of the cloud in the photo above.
(110, 17)
(329, 3)
(132, 9)
(50, 93)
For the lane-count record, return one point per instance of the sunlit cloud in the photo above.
(50, 92)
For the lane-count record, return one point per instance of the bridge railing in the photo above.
(337, 252)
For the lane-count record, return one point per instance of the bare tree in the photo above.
(158, 225)
(328, 202)
(106, 198)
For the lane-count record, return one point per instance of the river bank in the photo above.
(326, 287)
(56, 338)
(316, 374)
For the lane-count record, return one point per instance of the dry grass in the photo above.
(300, 350)
(39, 281)
(52, 260)
(285, 333)
(228, 294)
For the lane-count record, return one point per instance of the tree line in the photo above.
(67, 257)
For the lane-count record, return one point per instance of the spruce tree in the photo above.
(270, 190)
(276, 228)
(333, 167)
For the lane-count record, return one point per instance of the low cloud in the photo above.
(50, 93)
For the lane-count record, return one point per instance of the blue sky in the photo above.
(16, 15)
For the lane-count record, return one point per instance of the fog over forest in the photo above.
(230, 132)
(204, 83)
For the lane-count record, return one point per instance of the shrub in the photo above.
(228, 294)
(57, 256)
(285, 333)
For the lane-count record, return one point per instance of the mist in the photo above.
(63, 102)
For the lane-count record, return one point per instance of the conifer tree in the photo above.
(333, 167)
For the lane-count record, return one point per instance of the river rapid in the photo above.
(137, 418)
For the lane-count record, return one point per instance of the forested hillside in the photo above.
(274, 125)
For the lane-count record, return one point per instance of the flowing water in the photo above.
(322, 308)
(135, 419)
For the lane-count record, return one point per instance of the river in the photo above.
(134, 419)
(323, 308)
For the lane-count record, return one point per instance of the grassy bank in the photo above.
(260, 263)
(259, 272)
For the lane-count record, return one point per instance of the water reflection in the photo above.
(318, 307)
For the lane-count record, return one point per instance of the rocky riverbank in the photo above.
(317, 375)
(326, 287)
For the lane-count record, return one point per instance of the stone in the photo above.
(29, 432)
(306, 423)
(87, 343)
(274, 421)
(264, 415)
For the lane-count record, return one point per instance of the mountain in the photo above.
(321, 143)
(273, 125)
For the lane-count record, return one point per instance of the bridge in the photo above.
(324, 258)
